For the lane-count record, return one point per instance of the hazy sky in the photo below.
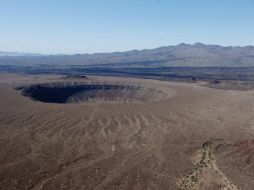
(79, 26)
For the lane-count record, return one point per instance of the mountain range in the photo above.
(182, 55)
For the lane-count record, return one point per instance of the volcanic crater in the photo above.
(63, 93)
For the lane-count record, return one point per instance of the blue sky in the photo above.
(87, 26)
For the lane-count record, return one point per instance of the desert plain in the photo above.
(146, 135)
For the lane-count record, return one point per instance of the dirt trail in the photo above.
(207, 162)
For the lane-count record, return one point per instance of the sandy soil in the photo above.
(150, 145)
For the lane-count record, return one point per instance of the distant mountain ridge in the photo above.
(182, 55)
(5, 53)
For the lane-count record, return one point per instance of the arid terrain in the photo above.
(123, 133)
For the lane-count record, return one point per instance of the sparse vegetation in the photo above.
(207, 161)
